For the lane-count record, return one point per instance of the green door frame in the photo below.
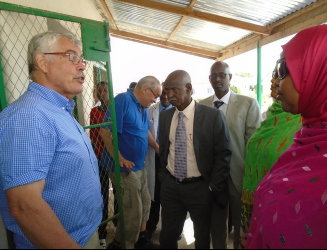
(259, 74)
(3, 99)
(82, 21)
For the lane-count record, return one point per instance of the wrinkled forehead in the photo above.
(66, 45)
(173, 83)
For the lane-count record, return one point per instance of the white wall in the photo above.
(76, 8)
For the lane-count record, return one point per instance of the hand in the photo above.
(126, 164)
(157, 150)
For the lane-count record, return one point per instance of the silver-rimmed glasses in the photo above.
(73, 58)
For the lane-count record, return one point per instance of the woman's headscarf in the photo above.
(306, 59)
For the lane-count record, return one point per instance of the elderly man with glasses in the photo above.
(133, 140)
(50, 194)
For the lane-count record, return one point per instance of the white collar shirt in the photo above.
(224, 99)
(192, 167)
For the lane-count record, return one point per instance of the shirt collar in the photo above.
(161, 107)
(224, 99)
(131, 93)
(188, 111)
(52, 96)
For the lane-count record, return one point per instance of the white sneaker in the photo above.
(103, 243)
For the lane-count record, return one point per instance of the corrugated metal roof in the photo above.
(210, 32)
(197, 32)
(261, 12)
(143, 17)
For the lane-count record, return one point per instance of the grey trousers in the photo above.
(3, 236)
(136, 203)
(93, 242)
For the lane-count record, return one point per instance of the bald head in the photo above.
(220, 64)
(179, 89)
(147, 91)
(220, 78)
(180, 76)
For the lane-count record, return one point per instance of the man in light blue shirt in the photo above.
(50, 193)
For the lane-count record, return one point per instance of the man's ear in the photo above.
(144, 88)
(189, 87)
(41, 62)
(230, 77)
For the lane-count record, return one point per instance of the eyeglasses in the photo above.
(221, 76)
(282, 69)
(275, 73)
(155, 97)
(74, 59)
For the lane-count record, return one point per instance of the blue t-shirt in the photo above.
(132, 128)
(41, 140)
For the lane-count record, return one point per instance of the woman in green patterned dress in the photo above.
(270, 140)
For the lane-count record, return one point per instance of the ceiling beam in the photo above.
(310, 16)
(198, 15)
(105, 7)
(177, 28)
(181, 21)
(164, 44)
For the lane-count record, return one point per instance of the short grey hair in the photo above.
(150, 81)
(44, 42)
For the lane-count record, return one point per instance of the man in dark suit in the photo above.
(195, 155)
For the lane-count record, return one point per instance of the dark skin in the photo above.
(220, 86)
(164, 99)
(287, 94)
(103, 96)
(179, 89)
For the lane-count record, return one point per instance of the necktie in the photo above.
(218, 104)
(180, 149)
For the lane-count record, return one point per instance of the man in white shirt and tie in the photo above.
(195, 155)
(243, 118)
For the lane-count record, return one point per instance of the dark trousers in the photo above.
(176, 201)
(104, 180)
(155, 205)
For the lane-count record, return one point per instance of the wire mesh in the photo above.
(16, 30)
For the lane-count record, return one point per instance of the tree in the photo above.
(235, 89)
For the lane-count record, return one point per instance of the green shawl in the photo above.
(265, 146)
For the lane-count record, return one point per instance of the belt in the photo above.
(187, 180)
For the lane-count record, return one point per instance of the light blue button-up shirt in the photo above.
(40, 139)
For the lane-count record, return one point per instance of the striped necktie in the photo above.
(180, 149)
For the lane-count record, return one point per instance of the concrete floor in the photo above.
(187, 241)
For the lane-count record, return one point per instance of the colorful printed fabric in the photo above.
(264, 148)
(290, 203)
(290, 209)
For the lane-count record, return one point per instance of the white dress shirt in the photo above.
(192, 166)
(224, 99)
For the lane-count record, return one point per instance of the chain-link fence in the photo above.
(16, 30)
